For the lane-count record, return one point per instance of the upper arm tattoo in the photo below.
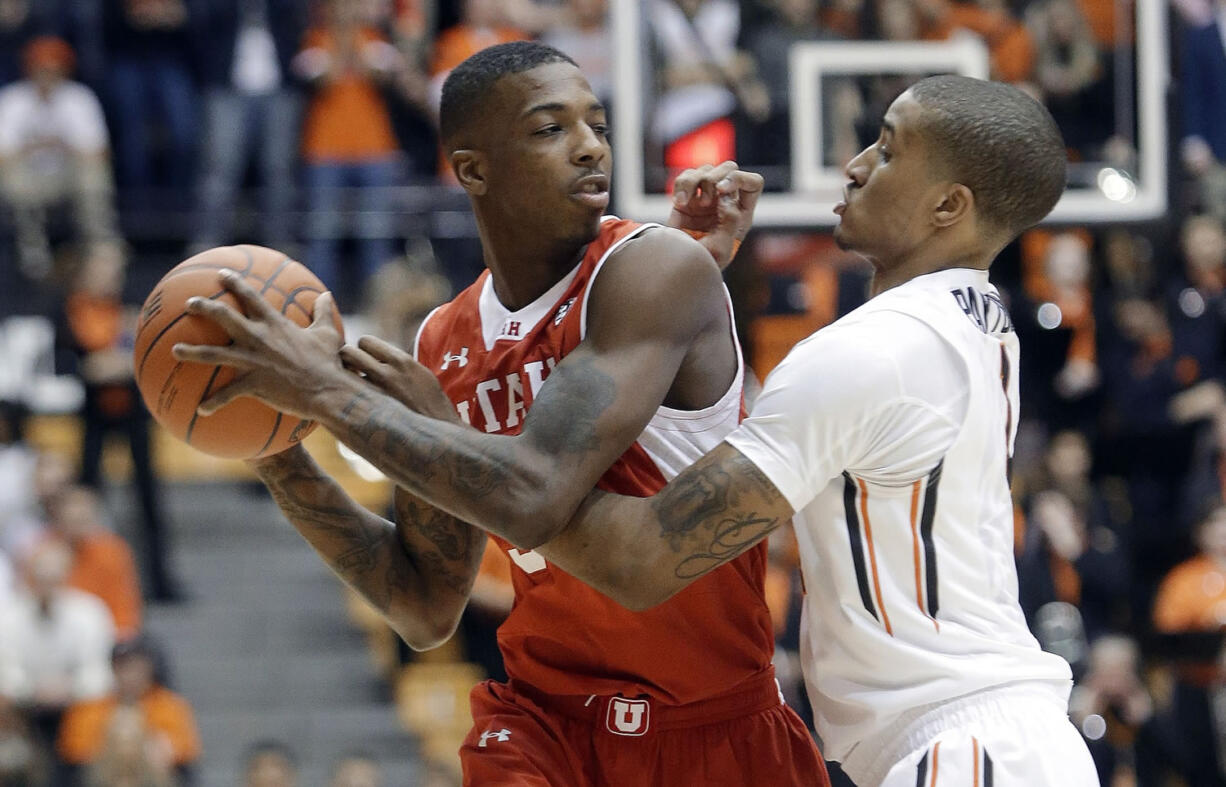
(575, 398)
(709, 514)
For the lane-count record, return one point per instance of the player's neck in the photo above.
(522, 271)
(888, 274)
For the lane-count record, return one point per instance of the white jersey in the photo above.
(890, 433)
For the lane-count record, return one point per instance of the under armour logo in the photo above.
(461, 359)
(502, 736)
(628, 717)
(562, 310)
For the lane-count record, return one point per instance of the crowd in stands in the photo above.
(299, 124)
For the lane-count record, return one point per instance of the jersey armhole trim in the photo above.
(422, 329)
(587, 291)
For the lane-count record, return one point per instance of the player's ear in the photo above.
(469, 169)
(956, 203)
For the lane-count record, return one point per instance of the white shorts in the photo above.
(1010, 738)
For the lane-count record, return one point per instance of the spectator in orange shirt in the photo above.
(102, 562)
(1192, 597)
(1009, 43)
(483, 26)
(169, 724)
(348, 141)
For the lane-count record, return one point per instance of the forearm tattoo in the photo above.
(359, 546)
(708, 518)
(413, 456)
(443, 548)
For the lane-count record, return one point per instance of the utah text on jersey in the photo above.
(501, 400)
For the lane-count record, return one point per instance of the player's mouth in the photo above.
(841, 206)
(591, 191)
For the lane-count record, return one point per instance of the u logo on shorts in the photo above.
(628, 717)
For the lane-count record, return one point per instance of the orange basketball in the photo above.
(172, 389)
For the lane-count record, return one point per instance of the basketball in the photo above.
(172, 389)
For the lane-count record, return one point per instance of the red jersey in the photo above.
(563, 637)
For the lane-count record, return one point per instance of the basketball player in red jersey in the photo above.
(593, 352)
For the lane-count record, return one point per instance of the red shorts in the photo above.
(748, 738)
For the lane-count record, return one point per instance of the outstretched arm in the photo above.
(417, 573)
(640, 551)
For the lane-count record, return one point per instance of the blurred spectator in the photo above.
(270, 763)
(357, 769)
(149, 50)
(483, 24)
(18, 504)
(1111, 706)
(102, 562)
(130, 756)
(703, 80)
(251, 105)
(1202, 81)
(166, 716)
(400, 297)
(348, 143)
(1068, 73)
(8, 580)
(16, 29)
(1056, 322)
(584, 35)
(1010, 46)
(1192, 598)
(53, 151)
(1196, 302)
(55, 644)
(1073, 552)
(770, 43)
(95, 336)
(19, 765)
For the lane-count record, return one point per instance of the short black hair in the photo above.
(998, 142)
(270, 746)
(468, 84)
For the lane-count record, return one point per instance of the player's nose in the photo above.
(589, 147)
(857, 169)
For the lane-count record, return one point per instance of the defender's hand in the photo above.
(716, 205)
(279, 362)
(397, 374)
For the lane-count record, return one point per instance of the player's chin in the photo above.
(843, 237)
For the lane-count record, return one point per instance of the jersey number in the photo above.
(529, 561)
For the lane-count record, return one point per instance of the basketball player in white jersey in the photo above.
(886, 436)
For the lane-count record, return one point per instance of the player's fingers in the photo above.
(358, 360)
(225, 315)
(686, 184)
(225, 355)
(252, 302)
(223, 396)
(384, 351)
(746, 182)
(321, 312)
(721, 171)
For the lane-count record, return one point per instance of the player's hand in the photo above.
(397, 374)
(278, 362)
(718, 201)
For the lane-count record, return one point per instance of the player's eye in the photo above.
(883, 152)
(552, 128)
(601, 128)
